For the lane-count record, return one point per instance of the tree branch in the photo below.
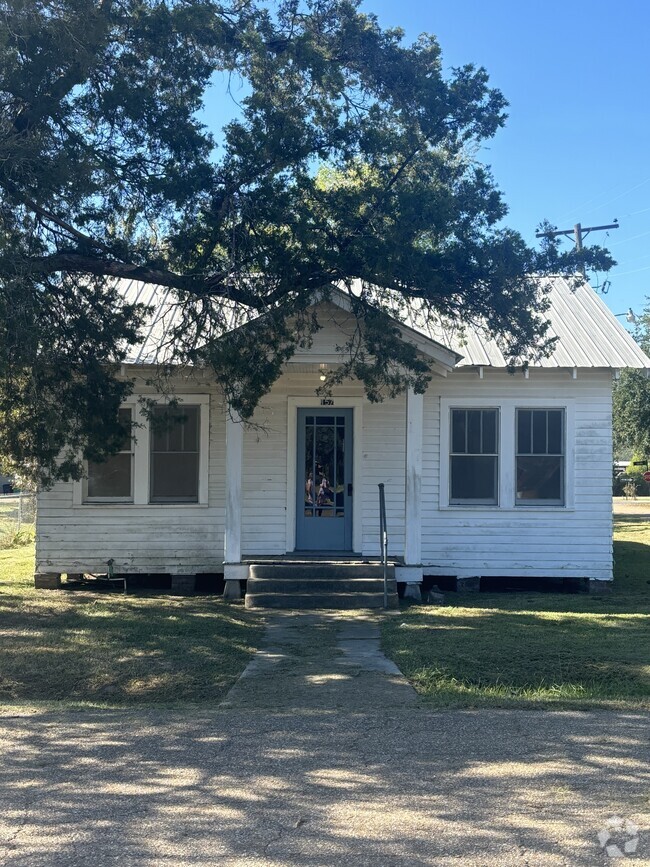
(216, 285)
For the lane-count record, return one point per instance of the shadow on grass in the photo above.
(112, 649)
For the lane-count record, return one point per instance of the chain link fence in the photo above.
(17, 517)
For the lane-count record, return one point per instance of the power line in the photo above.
(609, 201)
(579, 234)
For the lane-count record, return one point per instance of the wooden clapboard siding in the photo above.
(175, 539)
(384, 440)
(525, 540)
(514, 541)
(264, 486)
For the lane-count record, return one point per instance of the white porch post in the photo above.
(411, 572)
(233, 569)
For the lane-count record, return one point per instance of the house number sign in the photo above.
(327, 401)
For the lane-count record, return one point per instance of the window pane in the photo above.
(555, 432)
(539, 477)
(111, 478)
(458, 420)
(190, 427)
(489, 432)
(124, 416)
(175, 455)
(474, 432)
(539, 432)
(474, 478)
(175, 477)
(159, 430)
(524, 427)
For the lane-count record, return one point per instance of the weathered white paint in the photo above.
(74, 537)
(413, 481)
(570, 541)
(234, 467)
(574, 540)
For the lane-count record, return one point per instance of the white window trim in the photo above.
(141, 457)
(507, 458)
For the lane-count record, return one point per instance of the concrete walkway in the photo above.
(322, 756)
(321, 660)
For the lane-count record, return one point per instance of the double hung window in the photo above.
(510, 455)
(540, 456)
(111, 481)
(165, 460)
(174, 451)
(474, 458)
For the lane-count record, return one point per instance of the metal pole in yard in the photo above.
(383, 540)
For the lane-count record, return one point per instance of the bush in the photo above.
(634, 480)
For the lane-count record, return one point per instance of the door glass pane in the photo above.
(323, 476)
(339, 483)
(310, 495)
(325, 457)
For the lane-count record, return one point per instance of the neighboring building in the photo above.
(487, 474)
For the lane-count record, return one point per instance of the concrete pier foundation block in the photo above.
(413, 592)
(232, 589)
(47, 581)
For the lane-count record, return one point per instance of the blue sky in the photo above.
(576, 147)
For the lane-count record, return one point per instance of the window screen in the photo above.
(175, 455)
(112, 479)
(474, 456)
(540, 456)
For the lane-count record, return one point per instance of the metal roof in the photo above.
(589, 335)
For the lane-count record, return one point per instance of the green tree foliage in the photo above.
(631, 401)
(106, 172)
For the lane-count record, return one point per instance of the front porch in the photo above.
(351, 478)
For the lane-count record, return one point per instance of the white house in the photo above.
(487, 474)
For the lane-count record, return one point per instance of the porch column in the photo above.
(233, 569)
(411, 572)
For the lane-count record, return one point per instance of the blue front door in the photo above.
(324, 488)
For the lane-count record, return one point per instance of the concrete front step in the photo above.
(320, 600)
(321, 571)
(319, 585)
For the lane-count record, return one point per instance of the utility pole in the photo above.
(579, 234)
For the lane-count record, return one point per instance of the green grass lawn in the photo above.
(107, 649)
(535, 649)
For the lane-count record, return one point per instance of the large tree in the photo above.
(353, 157)
(631, 401)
